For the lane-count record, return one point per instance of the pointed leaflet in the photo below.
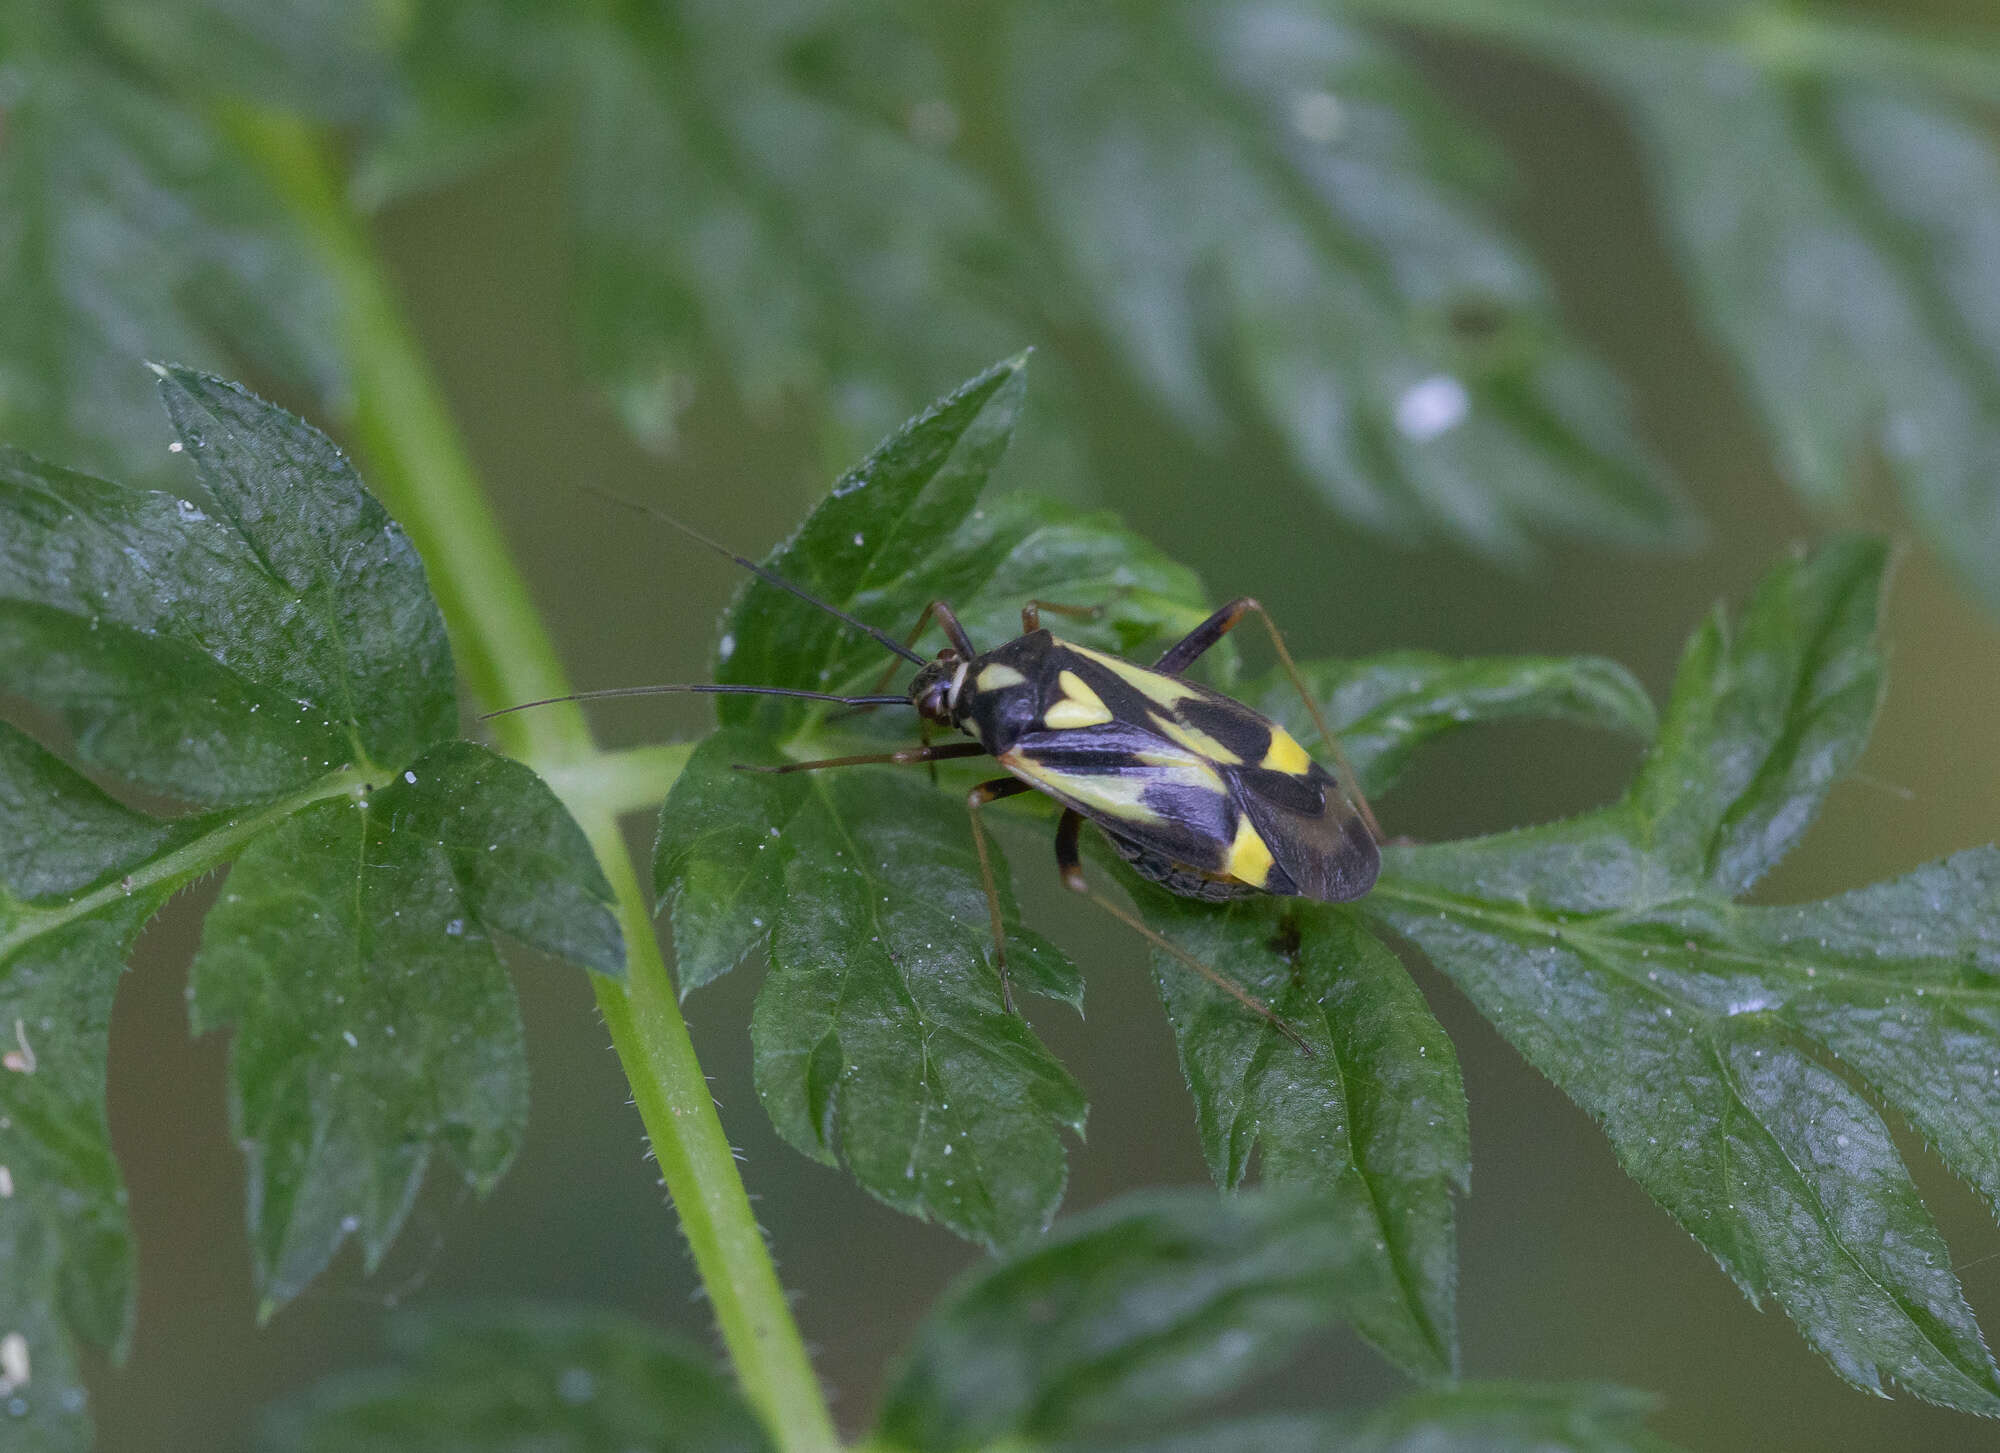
(130, 229)
(522, 1379)
(1374, 1120)
(352, 953)
(880, 1031)
(231, 647)
(1140, 1310)
(868, 549)
(234, 650)
(1707, 1037)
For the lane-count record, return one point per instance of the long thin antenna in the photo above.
(760, 572)
(702, 689)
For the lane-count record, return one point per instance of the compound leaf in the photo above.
(271, 650)
(1736, 1055)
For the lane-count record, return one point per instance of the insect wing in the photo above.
(1315, 836)
(1139, 785)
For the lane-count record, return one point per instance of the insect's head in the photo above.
(934, 689)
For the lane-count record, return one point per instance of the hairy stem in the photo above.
(418, 465)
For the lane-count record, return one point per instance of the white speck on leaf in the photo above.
(13, 1362)
(1432, 407)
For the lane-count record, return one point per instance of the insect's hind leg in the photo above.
(1186, 651)
(977, 798)
(1069, 863)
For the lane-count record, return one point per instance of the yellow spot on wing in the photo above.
(1103, 794)
(1195, 740)
(1249, 860)
(997, 677)
(1166, 690)
(1079, 707)
(1285, 754)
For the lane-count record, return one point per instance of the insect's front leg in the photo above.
(947, 618)
(1186, 651)
(977, 798)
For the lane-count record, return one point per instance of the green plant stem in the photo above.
(418, 464)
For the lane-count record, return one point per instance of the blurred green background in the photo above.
(1567, 1271)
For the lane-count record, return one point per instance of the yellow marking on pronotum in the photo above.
(1249, 859)
(998, 677)
(1151, 684)
(1080, 706)
(1285, 755)
(1195, 740)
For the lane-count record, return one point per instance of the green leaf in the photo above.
(1834, 237)
(129, 229)
(1386, 706)
(880, 1033)
(230, 647)
(1467, 1418)
(1830, 185)
(1374, 1120)
(1735, 1055)
(870, 549)
(1261, 215)
(1377, 1119)
(273, 650)
(351, 952)
(522, 1379)
(1139, 1311)
(1264, 191)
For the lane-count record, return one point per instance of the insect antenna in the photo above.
(701, 689)
(883, 637)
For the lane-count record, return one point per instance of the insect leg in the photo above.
(977, 798)
(1031, 613)
(1069, 863)
(908, 754)
(1183, 653)
(951, 628)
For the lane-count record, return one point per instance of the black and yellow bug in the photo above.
(1199, 793)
